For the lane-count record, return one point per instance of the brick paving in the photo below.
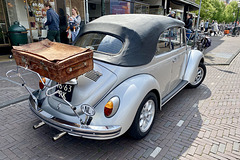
(11, 87)
(202, 123)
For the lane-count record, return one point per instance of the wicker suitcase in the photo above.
(56, 61)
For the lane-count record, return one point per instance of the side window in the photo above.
(176, 38)
(183, 37)
(163, 42)
(170, 39)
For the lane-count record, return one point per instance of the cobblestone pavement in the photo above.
(202, 123)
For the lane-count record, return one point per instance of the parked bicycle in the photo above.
(201, 42)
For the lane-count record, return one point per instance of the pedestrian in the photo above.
(215, 28)
(74, 23)
(52, 23)
(212, 25)
(172, 14)
(206, 26)
(202, 25)
(188, 26)
(189, 22)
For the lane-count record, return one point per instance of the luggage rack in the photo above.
(87, 110)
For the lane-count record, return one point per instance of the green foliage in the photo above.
(231, 12)
(217, 10)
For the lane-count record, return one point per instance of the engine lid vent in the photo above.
(93, 75)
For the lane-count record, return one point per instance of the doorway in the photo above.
(4, 41)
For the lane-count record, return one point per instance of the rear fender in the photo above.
(195, 57)
(131, 92)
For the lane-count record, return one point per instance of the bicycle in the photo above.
(201, 42)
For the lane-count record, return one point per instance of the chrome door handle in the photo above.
(174, 60)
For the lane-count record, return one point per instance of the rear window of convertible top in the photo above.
(101, 43)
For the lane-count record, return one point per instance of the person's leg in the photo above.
(57, 36)
(50, 35)
(73, 36)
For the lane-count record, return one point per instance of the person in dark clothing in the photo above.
(52, 23)
(206, 26)
(63, 26)
(171, 14)
(188, 26)
(189, 22)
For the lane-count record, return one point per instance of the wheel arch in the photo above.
(195, 57)
(158, 98)
(131, 93)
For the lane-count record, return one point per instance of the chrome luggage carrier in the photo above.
(83, 129)
(49, 94)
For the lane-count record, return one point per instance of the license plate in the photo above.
(65, 90)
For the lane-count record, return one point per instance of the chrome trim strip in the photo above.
(174, 92)
(87, 131)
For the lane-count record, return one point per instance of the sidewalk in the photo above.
(5, 58)
(197, 124)
(11, 88)
(222, 51)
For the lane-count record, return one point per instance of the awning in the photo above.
(192, 4)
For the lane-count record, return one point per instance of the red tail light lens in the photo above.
(108, 109)
(111, 107)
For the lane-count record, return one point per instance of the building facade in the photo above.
(31, 13)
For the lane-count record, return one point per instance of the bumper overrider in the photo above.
(85, 131)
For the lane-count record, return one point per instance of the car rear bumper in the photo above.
(86, 131)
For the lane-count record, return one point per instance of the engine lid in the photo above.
(88, 88)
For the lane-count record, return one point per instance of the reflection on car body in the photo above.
(140, 63)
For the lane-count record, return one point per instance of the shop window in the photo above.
(141, 8)
(37, 13)
(119, 7)
(3, 25)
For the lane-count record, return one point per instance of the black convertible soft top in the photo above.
(139, 33)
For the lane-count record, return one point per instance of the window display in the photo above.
(119, 7)
(37, 15)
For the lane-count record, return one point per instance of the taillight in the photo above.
(111, 107)
(108, 109)
(41, 85)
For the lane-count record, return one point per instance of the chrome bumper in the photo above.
(86, 131)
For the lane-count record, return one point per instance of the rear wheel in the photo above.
(201, 73)
(144, 118)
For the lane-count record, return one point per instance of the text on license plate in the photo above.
(66, 91)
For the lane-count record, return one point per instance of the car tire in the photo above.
(201, 73)
(144, 118)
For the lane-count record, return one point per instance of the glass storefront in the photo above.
(4, 41)
(119, 7)
(141, 8)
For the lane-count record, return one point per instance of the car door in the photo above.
(179, 58)
(163, 63)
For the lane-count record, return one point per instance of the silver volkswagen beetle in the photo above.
(140, 63)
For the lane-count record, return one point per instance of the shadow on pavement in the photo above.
(174, 139)
(175, 129)
(226, 71)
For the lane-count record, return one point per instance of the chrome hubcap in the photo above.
(199, 76)
(147, 115)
